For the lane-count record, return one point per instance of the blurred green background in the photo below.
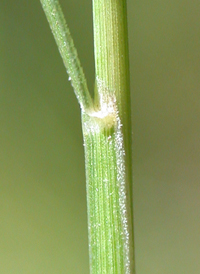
(43, 220)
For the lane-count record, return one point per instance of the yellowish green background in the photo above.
(43, 220)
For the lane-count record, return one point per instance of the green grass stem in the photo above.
(106, 132)
(68, 51)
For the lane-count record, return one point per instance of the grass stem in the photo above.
(68, 51)
(106, 124)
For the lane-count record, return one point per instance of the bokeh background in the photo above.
(43, 220)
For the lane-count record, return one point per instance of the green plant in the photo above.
(106, 131)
